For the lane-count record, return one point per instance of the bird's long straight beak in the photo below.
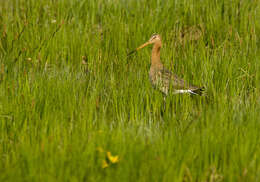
(142, 46)
(138, 48)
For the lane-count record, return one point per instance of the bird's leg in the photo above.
(163, 108)
(164, 103)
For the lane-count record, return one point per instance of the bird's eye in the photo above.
(153, 36)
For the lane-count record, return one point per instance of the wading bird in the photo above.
(161, 78)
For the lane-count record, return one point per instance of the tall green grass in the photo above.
(69, 94)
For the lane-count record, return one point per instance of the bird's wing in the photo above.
(177, 82)
(166, 80)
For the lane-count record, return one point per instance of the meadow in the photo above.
(75, 107)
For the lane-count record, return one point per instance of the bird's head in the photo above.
(154, 38)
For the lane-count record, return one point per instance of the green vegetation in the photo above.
(69, 94)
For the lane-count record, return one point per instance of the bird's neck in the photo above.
(155, 59)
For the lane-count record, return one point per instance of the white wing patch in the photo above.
(184, 91)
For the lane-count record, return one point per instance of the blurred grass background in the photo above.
(69, 94)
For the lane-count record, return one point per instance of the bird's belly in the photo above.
(159, 82)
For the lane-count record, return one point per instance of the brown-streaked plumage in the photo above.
(163, 79)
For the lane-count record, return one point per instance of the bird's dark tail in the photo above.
(198, 91)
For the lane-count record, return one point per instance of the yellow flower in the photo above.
(104, 164)
(112, 159)
(109, 158)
